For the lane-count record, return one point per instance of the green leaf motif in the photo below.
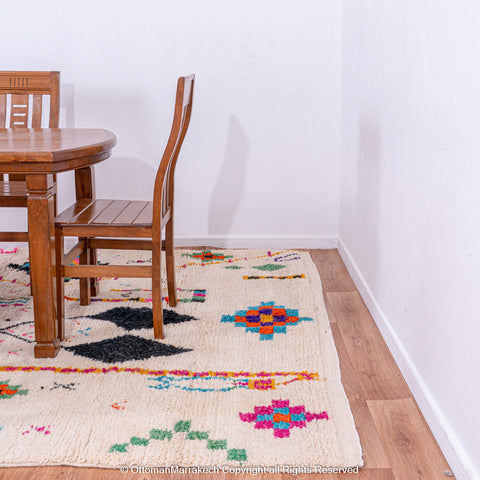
(217, 444)
(197, 436)
(238, 454)
(182, 426)
(119, 447)
(160, 434)
(270, 267)
(143, 442)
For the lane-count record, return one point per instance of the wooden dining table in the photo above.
(39, 154)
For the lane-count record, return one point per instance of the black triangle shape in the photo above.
(125, 348)
(130, 318)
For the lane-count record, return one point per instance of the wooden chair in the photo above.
(127, 221)
(24, 92)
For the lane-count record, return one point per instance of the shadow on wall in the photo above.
(127, 178)
(136, 115)
(230, 183)
(67, 106)
(368, 199)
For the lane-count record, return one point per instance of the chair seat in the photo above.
(101, 217)
(13, 194)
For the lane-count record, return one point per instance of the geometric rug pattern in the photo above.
(247, 374)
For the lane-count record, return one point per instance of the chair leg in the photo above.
(59, 249)
(55, 196)
(157, 291)
(84, 259)
(94, 285)
(31, 285)
(170, 259)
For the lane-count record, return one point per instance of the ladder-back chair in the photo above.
(22, 99)
(127, 221)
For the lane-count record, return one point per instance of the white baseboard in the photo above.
(237, 241)
(258, 241)
(443, 432)
(248, 241)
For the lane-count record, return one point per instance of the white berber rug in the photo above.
(247, 374)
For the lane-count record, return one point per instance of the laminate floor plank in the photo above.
(363, 474)
(376, 369)
(409, 443)
(370, 474)
(373, 454)
(334, 274)
(330, 310)
(350, 382)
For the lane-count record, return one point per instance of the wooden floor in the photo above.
(397, 443)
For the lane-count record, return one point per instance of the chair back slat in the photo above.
(23, 92)
(37, 111)
(3, 109)
(163, 192)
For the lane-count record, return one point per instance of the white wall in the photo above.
(260, 163)
(410, 197)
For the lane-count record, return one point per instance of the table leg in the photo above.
(85, 188)
(41, 190)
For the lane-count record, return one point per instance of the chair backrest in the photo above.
(26, 91)
(22, 96)
(163, 191)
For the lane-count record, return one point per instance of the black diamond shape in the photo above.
(137, 318)
(124, 348)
